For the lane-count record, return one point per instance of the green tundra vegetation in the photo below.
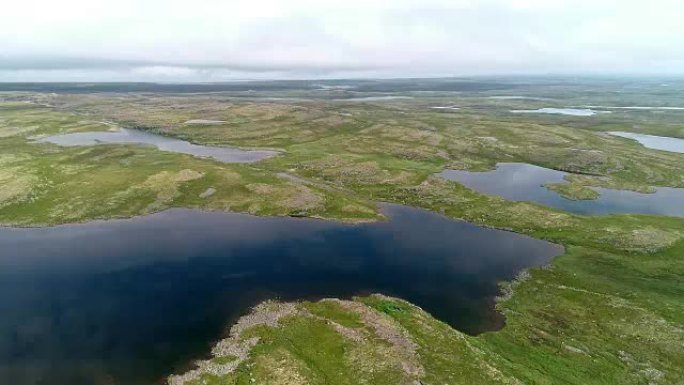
(611, 310)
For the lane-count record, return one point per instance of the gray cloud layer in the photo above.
(206, 40)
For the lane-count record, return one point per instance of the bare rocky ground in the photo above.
(235, 348)
(373, 342)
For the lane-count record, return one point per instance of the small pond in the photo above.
(517, 97)
(205, 122)
(163, 143)
(525, 182)
(130, 301)
(378, 98)
(655, 142)
(446, 108)
(639, 108)
(559, 111)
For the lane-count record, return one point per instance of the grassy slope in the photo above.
(48, 184)
(610, 311)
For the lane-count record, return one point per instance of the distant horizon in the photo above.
(182, 41)
(559, 76)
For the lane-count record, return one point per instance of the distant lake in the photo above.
(559, 111)
(640, 108)
(130, 301)
(525, 182)
(205, 122)
(374, 98)
(517, 97)
(664, 143)
(446, 107)
(163, 143)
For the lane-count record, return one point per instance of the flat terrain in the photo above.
(609, 311)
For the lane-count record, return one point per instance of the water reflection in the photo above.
(129, 301)
(525, 182)
(560, 111)
(656, 142)
(130, 136)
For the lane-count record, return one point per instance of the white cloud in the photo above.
(165, 72)
(215, 39)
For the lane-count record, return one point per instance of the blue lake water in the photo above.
(206, 122)
(559, 111)
(517, 97)
(525, 182)
(130, 301)
(639, 108)
(163, 143)
(451, 108)
(655, 142)
(377, 98)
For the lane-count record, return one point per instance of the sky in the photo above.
(219, 40)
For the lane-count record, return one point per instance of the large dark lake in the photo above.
(130, 301)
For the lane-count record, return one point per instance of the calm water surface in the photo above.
(525, 182)
(558, 111)
(374, 98)
(517, 97)
(639, 108)
(656, 142)
(207, 122)
(130, 301)
(130, 136)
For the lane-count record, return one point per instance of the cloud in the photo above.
(218, 40)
